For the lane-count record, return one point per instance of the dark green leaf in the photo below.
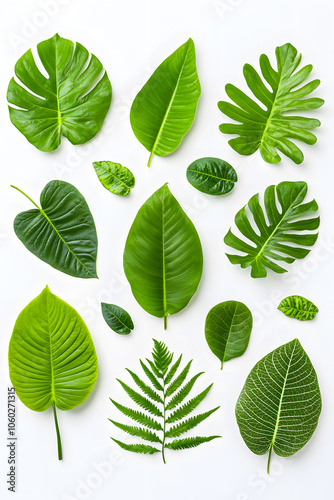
(117, 318)
(114, 177)
(212, 176)
(298, 307)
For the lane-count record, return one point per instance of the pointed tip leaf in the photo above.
(117, 318)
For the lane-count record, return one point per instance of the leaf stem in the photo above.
(164, 429)
(269, 458)
(165, 322)
(20, 190)
(60, 451)
(150, 158)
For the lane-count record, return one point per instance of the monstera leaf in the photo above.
(52, 359)
(278, 234)
(280, 404)
(271, 127)
(163, 257)
(62, 231)
(164, 109)
(72, 100)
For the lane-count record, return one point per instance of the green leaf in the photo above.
(164, 109)
(228, 326)
(298, 307)
(140, 400)
(145, 388)
(212, 176)
(114, 177)
(191, 442)
(279, 233)
(279, 406)
(188, 407)
(52, 359)
(178, 381)
(62, 231)
(189, 424)
(138, 416)
(163, 257)
(161, 356)
(173, 370)
(151, 376)
(138, 432)
(117, 318)
(137, 448)
(183, 392)
(72, 101)
(269, 125)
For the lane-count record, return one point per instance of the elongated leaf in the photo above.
(164, 109)
(138, 416)
(188, 407)
(151, 393)
(151, 376)
(285, 235)
(61, 231)
(190, 442)
(72, 101)
(183, 392)
(178, 381)
(173, 370)
(188, 424)
(141, 401)
(114, 177)
(117, 318)
(298, 307)
(138, 432)
(52, 359)
(268, 125)
(137, 448)
(279, 406)
(228, 326)
(163, 257)
(212, 176)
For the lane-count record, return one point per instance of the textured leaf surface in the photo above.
(279, 233)
(279, 406)
(164, 109)
(163, 257)
(212, 176)
(298, 307)
(72, 101)
(117, 318)
(228, 326)
(61, 231)
(114, 177)
(267, 124)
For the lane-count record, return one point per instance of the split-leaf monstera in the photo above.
(72, 100)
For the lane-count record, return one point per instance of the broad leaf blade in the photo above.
(117, 318)
(164, 109)
(298, 307)
(212, 176)
(114, 177)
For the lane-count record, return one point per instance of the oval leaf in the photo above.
(62, 231)
(164, 109)
(117, 318)
(280, 404)
(298, 307)
(52, 359)
(212, 176)
(72, 101)
(163, 257)
(114, 177)
(228, 327)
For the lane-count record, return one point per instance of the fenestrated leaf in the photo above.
(271, 127)
(61, 232)
(164, 109)
(228, 326)
(138, 416)
(137, 448)
(178, 381)
(72, 101)
(279, 406)
(212, 176)
(189, 424)
(163, 257)
(188, 407)
(138, 432)
(279, 234)
(183, 393)
(141, 401)
(298, 307)
(52, 359)
(190, 442)
(114, 177)
(117, 318)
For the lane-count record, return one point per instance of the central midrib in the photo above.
(273, 109)
(113, 175)
(52, 388)
(210, 175)
(163, 257)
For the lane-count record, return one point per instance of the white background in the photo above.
(131, 38)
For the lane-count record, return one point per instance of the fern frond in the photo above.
(183, 393)
(191, 442)
(188, 424)
(154, 369)
(172, 370)
(145, 388)
(151, 376)
(138, 432)
(138, 416)
(145, 403)
(137, 448)
(178, 381)
(161, 356)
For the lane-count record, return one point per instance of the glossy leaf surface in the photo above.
(298, 307)
(212, 176)
(114, 177)
(117, 318)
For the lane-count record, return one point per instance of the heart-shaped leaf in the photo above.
(62, 231)
(164, 109)
(114, 177)
(280, 404)
(212, 176)
(228, 327)
(298, 307)
(52, 359)
(72, 100)
(117, 318)
(163, 257)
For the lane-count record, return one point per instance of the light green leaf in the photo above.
(268, 125)
(164, 109)
(61, 232)
(212, 176)
(72, 101)
(298, 307)
(114, 177)
(117, 318)
(52, 359)
(163, 257)
(278, 233)
(191, 442)
(228, 326)
(279, 406)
